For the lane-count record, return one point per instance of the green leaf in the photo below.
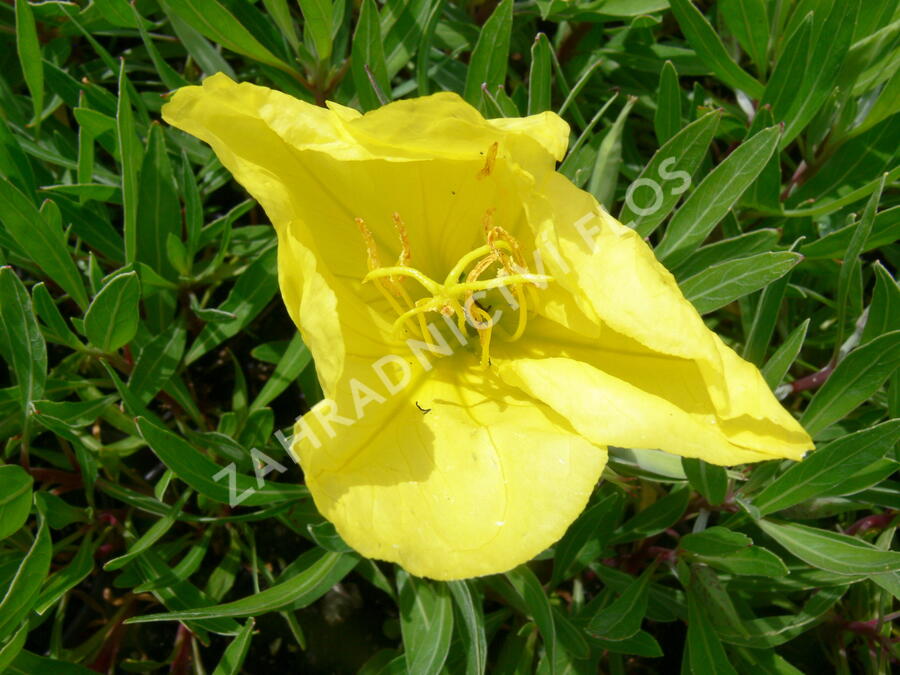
(710, 201)
(198, 471)
(214, 20)
(43, 241)
(198, 47)
(170, 77)
(748, 21)
(426, 621)
(831, 551)
(710, 49)
(130, 154)
(853, 381)
(28, 48)
(469, 608)
(326, 536)
(25, 587)
(851, 174)
(182, 595)
(762, 327)
(622, 619)
(14, 163)
(848, 277)
(532, 595)
(233, 659)
(714, 541)
(741, 246)
(667, 118)
(605, 174)
(61, 582)
(539, 75)
(790, 69)
(295, 359)
(488, 63)
(423, 54)
(829, 45)
(157, 362)
(676, 160)
(885, 231)
(75, 413)
(772, 631)
(15, 498)
(732, 552)
(12, 648)
(27, 663)
(655, 518)
(112, 319)
(726, 282)
(317, 23)
(705, 651)
(153, 534)
(640, 644)
(780, 362)
(301, 590)
(597, 519)
(709, 480)
(884, 312)
(254, 289)
(827, 467)
(21, 343)
(405, 23)
(367, 59)
(160, 217)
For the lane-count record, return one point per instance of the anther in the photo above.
(405, 249)
(371, 248)
(489, 161)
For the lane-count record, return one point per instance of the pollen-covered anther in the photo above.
(405, 249)
(489, 160)
(470, 278)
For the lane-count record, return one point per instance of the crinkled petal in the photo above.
(610, 289)
(461, 476)
(615, 393)
(315, 171)
(547, 128)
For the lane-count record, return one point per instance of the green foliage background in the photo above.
(147, 347)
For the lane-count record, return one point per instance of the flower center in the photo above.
(470, 290)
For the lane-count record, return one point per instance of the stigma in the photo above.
(493, 274)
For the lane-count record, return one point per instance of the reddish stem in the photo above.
(877, 521)
(812, 381)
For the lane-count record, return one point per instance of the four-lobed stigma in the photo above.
(466, 283)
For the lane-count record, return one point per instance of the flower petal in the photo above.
(547, 128)
(610, 289)
(315, 171)
(616, 393)
(462, 476)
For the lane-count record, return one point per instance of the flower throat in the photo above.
(465, 284)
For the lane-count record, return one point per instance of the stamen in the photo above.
(423, 328)
(405, 250)
(430, 285)
(456, 296)
(371, 248)
(499, 282)
(489, 161)
(470, 257)
(422, 306)
(523, 315)
(484, 336)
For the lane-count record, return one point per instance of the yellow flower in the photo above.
(481, 328)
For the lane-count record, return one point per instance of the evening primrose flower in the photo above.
(482, 329)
